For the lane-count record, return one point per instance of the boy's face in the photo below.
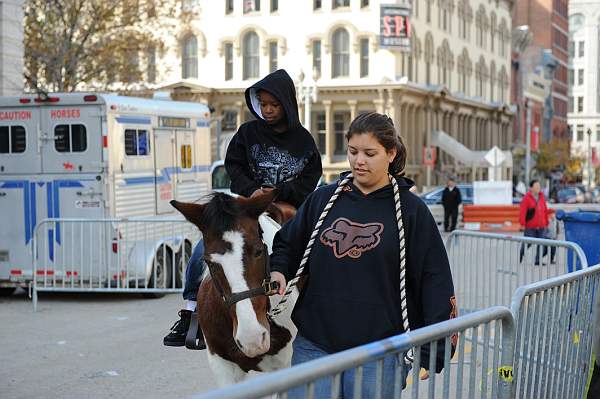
(271, 108)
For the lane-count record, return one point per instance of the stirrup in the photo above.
(191, 340)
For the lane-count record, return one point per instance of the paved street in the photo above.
(95, 346)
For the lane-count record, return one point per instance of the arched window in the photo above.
(492, 80)
(493, 29)
(428, 57)
(251, 56)
(465, 17)
(189, 61)
(465, 69)
(340, 61)
(481, 26)
(481, 76)
(445, 61)
(503, 84)
(504, 36)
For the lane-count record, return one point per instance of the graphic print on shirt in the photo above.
(351, 239)
(273, 166)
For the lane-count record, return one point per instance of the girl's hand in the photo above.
(276, 276)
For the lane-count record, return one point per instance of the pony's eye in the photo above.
(258, 252)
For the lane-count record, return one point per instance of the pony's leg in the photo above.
(225, 372)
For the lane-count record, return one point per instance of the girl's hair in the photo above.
(382, 128)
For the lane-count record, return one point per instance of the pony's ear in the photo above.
(192, 212)
(255, 206)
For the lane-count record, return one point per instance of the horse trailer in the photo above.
(84, 156)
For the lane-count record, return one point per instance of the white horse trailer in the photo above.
(95, 157)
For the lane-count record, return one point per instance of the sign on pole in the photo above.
(394, 27)
(429, 156)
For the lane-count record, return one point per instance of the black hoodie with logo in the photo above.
(258, 155)
(352, 295)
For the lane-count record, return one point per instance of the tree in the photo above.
(81, 44)
(556, 155)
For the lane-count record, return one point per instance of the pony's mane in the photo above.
(221, 212)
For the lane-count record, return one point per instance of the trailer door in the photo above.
(72, 139)
(19, 151)
(165, 171)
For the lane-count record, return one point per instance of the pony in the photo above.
(236, 293)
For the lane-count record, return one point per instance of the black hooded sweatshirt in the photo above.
(352, 295)
(258, 155)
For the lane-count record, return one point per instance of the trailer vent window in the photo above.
(136, 142)
(70, 138)
(186, 156)
(12, 139)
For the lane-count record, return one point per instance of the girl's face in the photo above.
(369, 162)
(271, 108)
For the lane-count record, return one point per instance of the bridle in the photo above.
(266, 288)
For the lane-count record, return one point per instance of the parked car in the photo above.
(434, 196)
(596, 195)
(570, 195)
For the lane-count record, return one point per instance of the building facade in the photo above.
(11, 47)
(584, 79)
(548, 22)
(454, 79)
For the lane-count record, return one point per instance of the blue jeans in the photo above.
(305, 350)
(193, 272)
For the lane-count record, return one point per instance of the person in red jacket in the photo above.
(534, 216)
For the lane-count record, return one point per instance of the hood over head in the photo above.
(280, 85)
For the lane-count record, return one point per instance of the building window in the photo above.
(151, 64)
(229, 123)
(251, 56)
(320, 123)
(274, 5)
(70, 138)
(316, 56)
(571, 77)
(571, 49)
(571, 104)
(228, 7)
(597, 132)
(190, 57)
(251, 6)
(136, 142)
(580, 104)
(341, 53)
(228, 52)
(580, 77)
(492, 80)
(317, 4)
(341, 121)
(272, 56)
(579, 132)
(12, 139)
(340, 3)
(364, 57)
(428, 57)
(581, 48)
(428, 11)
(364, 3)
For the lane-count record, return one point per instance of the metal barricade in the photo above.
(145, 255)
(487, 268)
(470, 372)
(554, 334)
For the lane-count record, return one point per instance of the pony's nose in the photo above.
(265, 340)
(239, 344)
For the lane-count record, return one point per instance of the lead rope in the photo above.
(280, 307)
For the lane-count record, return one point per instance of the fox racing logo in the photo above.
(352, 239)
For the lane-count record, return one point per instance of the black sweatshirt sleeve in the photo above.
(294, 192)
(238, 167)
(437, 289)
(290, 241)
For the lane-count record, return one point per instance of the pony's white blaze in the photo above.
(253, 337)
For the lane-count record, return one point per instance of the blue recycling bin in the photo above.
(583, 228)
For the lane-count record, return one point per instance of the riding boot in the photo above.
(179, 330)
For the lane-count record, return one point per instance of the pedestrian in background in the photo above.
(451, 199)
(534, 216)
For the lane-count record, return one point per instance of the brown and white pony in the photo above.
(233, 307)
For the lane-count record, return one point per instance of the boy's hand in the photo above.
(261, 191)
(276, 276)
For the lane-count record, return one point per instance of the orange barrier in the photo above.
(502, 218)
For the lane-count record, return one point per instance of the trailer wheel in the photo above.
(182, 264)
(163, 266)
(7, 291)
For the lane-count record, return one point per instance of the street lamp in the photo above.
(589, 161)
(308, 93)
